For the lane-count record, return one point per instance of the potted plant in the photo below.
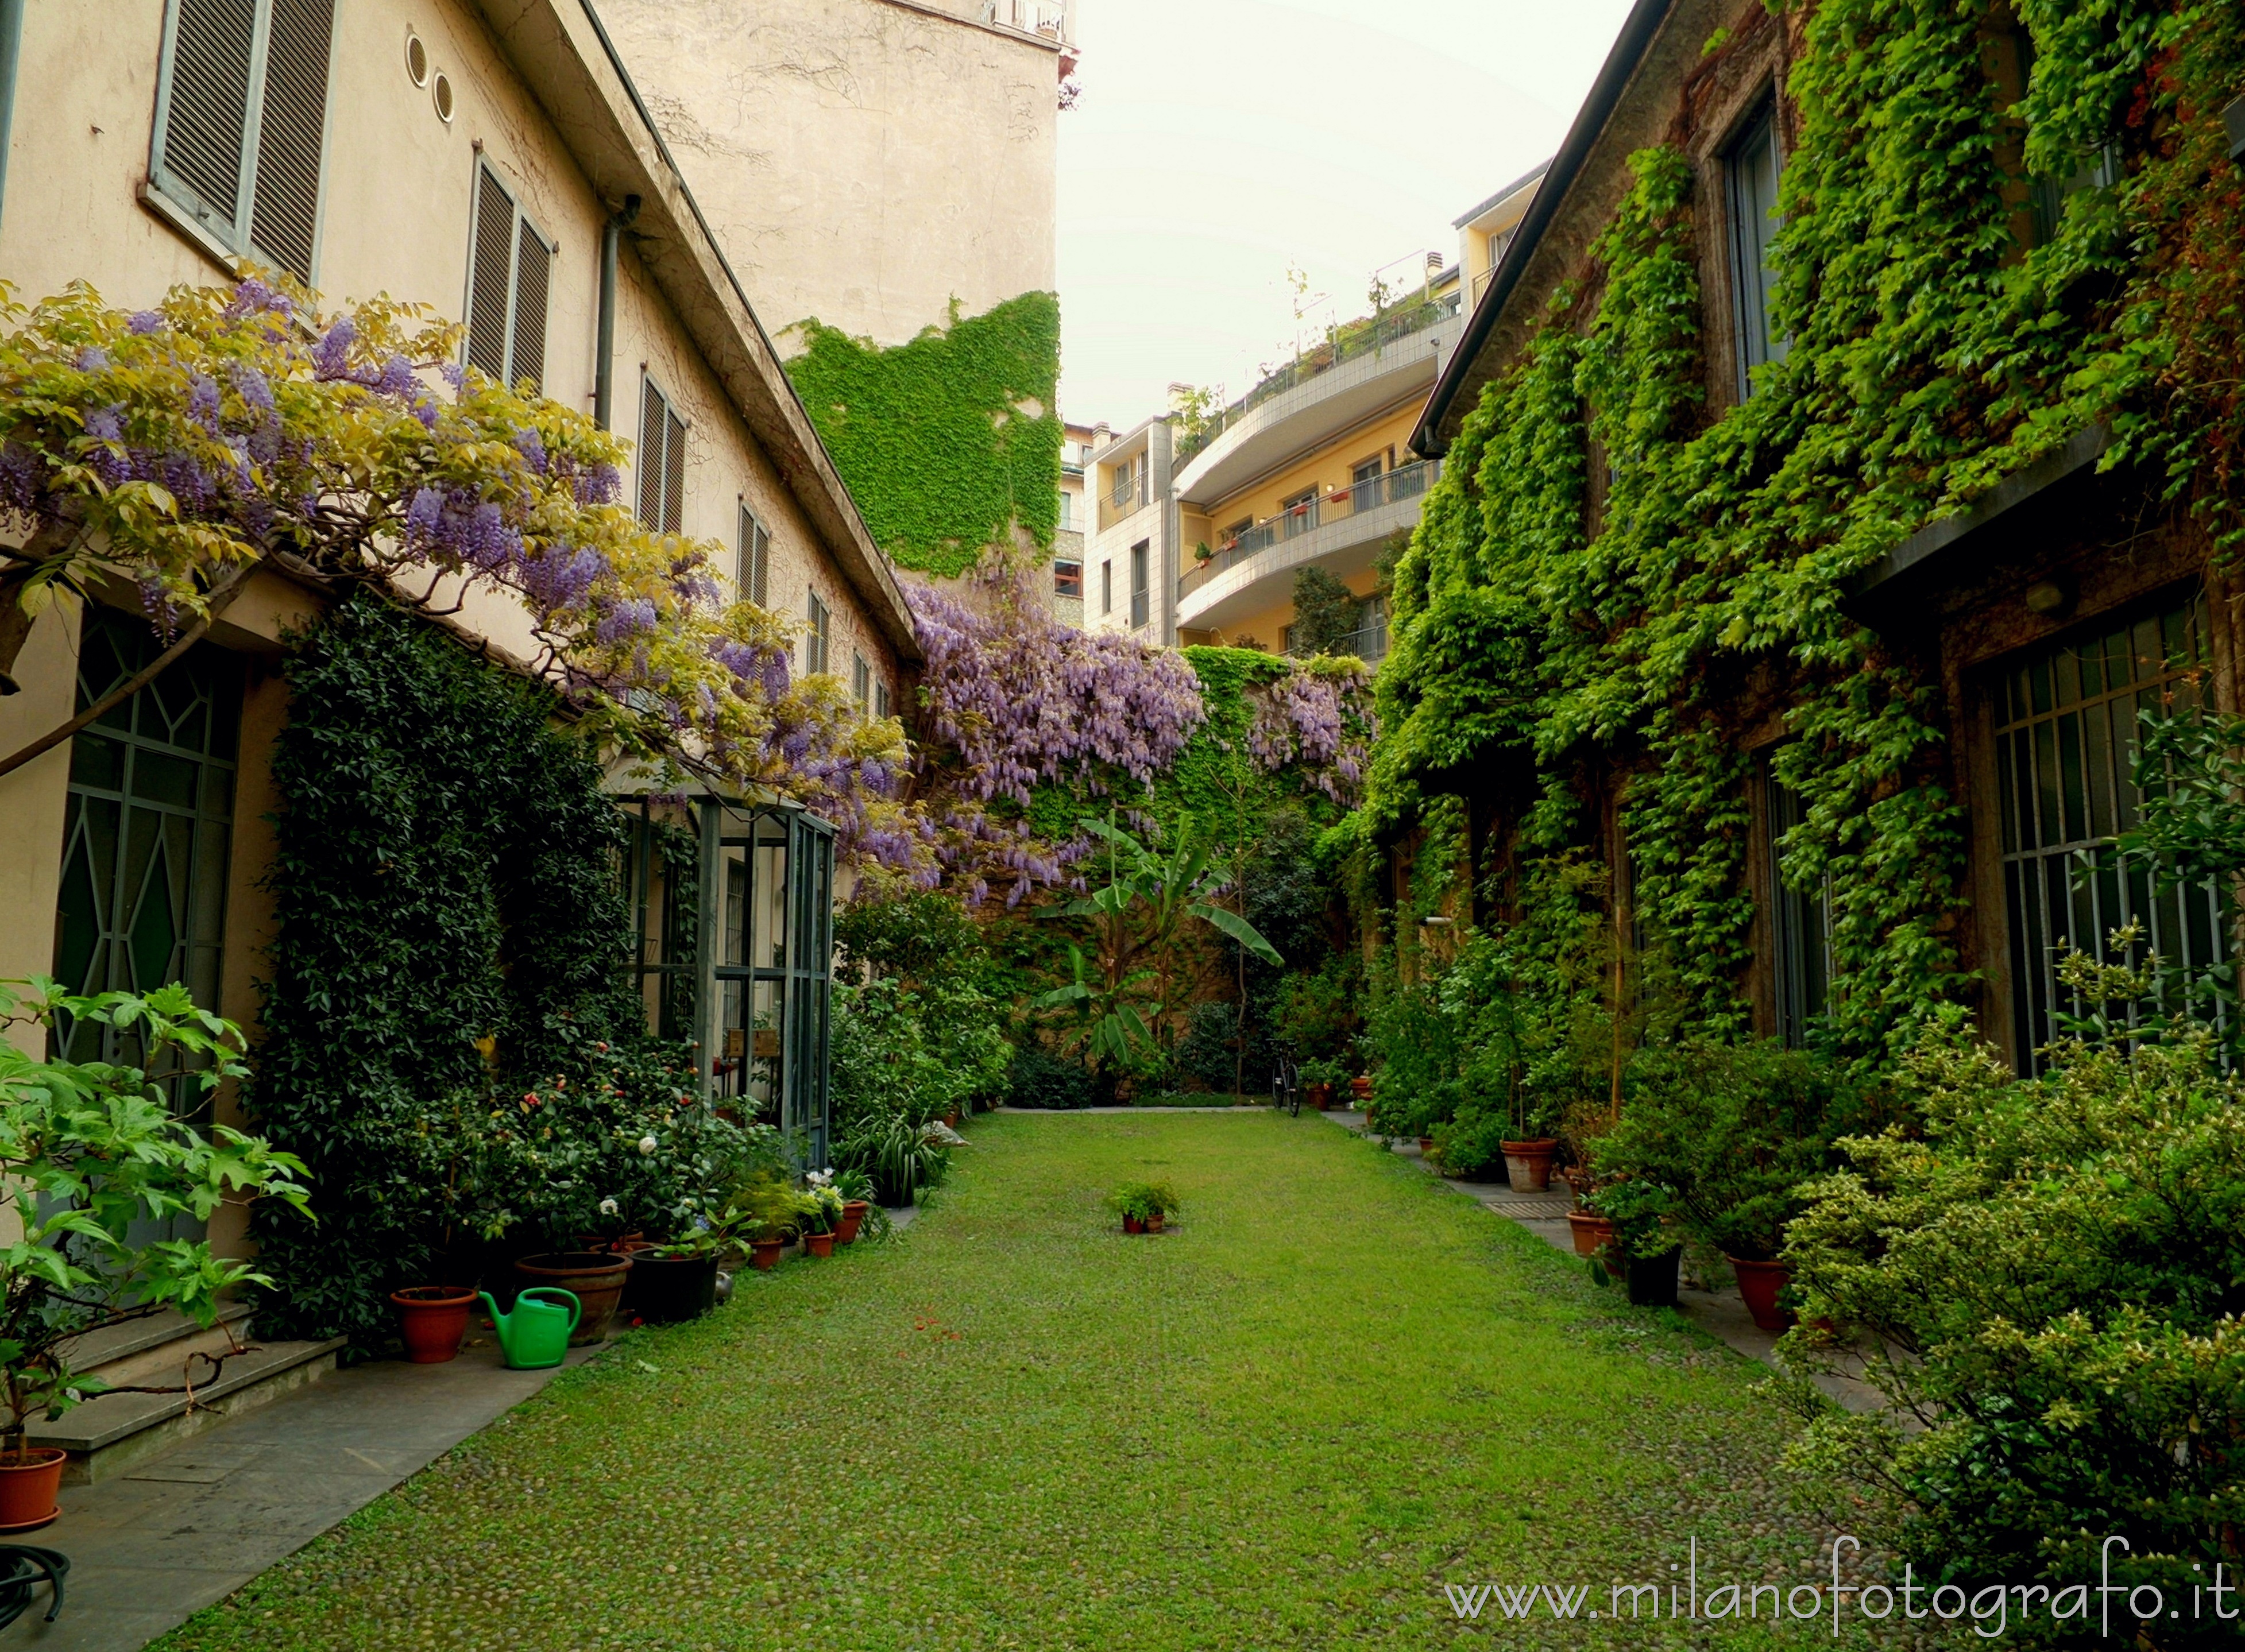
(1320, 1081)
(596, 1278)
(822, 1213)
(772, 1213)
(93, 1160)
(1642, 1241)
(857, 1203)
(432, 1320)
(1143, 1206)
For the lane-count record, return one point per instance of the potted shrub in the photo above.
(93, 1160)
(1143, 1206)
(822, 1213)
(1320, 1081)
(1644, 1243)
(857, 1204)
(432, 1320)
(596, 1278)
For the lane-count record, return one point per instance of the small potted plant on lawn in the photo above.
(1321, 1081)
(93, 1160)
(1143, 1206)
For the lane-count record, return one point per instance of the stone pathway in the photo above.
(1721, 1313)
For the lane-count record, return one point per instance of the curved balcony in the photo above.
(1341, 532)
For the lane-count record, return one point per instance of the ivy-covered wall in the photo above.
(1625, 655)
(951, 441)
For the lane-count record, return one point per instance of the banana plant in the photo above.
(1121, 985)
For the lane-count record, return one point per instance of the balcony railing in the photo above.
(1047, 18)
(1342, 344)
(1129, 494)
(1405, 482)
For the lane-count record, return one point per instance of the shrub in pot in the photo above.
(1321, 1081)
(432, 1320)
(1143, 1206)
(93, 1157)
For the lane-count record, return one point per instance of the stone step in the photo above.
(98, 1348)
(109, 1434)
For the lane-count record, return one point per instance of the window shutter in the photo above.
(286, 219)
(673, 472)
(534, 269)
(754, 573)
(487, 276)
(207, 104)
(652, 415)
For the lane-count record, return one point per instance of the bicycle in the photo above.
(1286, 1084)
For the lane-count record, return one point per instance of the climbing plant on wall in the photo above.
(950, 441)
(1930, 355)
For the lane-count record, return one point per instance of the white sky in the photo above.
(1218, 142)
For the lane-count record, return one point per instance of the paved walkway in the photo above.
(1721, 1313)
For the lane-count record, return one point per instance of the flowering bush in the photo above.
(184, 446)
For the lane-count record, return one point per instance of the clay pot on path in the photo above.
(1590, 1231)
(764, 1254)
(853, 1215)
(432, 1319)
(1359, 1089)
(28, 1486)
(1529, 1163)
(1758, 1283)
(1318, 1095)
(594, 1278)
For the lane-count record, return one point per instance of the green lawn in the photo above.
(1332, 1388)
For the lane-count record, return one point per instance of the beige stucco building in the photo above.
(371, 146)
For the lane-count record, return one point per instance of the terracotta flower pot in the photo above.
(603, 1242)
(951, 1120)
(764, 1254)
(1360, 1089)
(1529, 1163)
(819, 1244)
(595, 1278)
(27, 1487)
(1590, 1231)
(853, 1215)
(1154, 1222)
(432, 1319)
(1758, 1283)
(1134, 1224)
(1426, 1144)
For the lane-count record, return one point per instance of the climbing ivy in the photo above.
(1625, 654)
(950, 442)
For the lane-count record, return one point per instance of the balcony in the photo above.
(1359, 339)
(1131, 493)
(1340, 530)
(1045, 17)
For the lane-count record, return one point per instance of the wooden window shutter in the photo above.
(206, 107)
(488, 276)
(653, 418)
(534, 270)
(674, 471)
(753, 575)
(291, 131)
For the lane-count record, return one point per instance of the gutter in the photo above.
(1637, 34)
(603, 366)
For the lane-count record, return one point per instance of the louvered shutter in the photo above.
(206, 104)
(488, 275)
(533, 269)
(760, 567)
(673, 472)
(291, 128)
(652, 415)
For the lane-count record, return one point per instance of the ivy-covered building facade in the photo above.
(1837, 463)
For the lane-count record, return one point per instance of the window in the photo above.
(1753, 167)
(882, 707)
(1066, 511)
(814, 644)
(861, 681)
(1286, 634)
(241, 123)
(1067, 579)
(661, 461)
(1107, 586)
(510, 268)
(752, 576)
(2065, 754)
(1801, 925)
(1142, 592)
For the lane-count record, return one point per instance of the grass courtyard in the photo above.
(1331, 1389)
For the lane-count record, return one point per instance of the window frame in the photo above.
(1750, 275)
(1141, 582)
(752, 558)
(178, 201)
(1107, 586)
(817, 639)
(671, 512)
(518, 220)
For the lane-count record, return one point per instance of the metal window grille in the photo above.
(2065, 752)
(752, 574)
(241, 123)
(662, 462)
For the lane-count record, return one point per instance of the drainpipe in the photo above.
(11, 48)
(603, 386)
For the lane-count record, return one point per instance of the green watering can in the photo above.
(536, 1334)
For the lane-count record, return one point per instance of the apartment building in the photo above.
(484, 157)
(1078, 442)
(1129, 577)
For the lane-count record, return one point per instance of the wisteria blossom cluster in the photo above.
(1317, 719)
(181, 446)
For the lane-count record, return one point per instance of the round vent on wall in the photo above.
(443, 97)
(417, 59)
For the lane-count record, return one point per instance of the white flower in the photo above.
(607, 1207)
(820, 1178)
(647, 1144)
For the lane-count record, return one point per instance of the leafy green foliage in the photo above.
(1143, 1200)
(93, 1160)
(1324, 612)
(951, 441)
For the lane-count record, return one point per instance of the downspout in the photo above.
(11, 48)
(604, 374)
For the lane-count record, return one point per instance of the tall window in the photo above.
(814, 643)
(661, 461)
(1800, 924)
(861, 681)
(2065, 752)
(510, 269)
(882, 707)
(1142, 592)
(1753, 167)
(1066, 511)
(1107, 586)
(752, 573)
(241, 116)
